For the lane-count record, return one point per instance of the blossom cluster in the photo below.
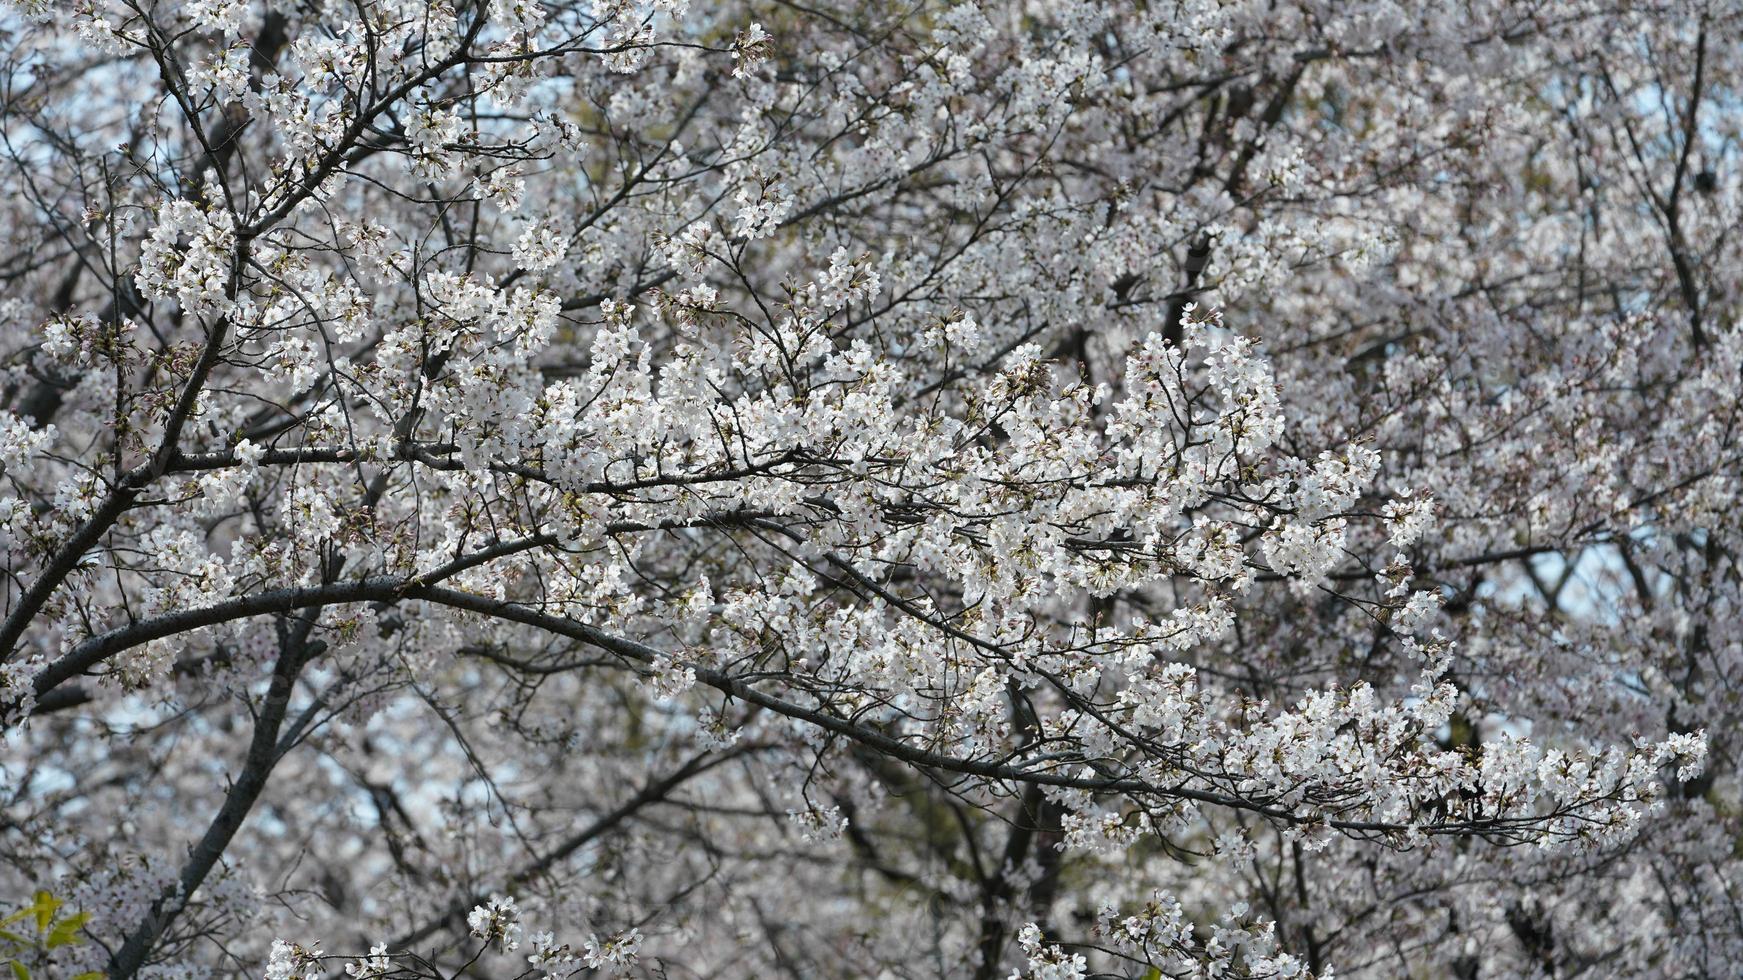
(1059, 476)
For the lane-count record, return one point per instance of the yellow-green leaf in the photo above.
(44, 907)
(66, 931)
(19, 971)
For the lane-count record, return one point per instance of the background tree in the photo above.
(856, 488)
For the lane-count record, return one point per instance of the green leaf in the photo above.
(89, 975)
(19, 971)
(66, 931)
(45, 907)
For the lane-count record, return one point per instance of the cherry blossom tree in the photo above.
(900, 488)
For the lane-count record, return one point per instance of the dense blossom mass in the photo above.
(886, 488)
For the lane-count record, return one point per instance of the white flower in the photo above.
(19, 440)
(497, 921)
(816, 825)
(1047, 961)
(614, 952)
(223, 16)
(376, 964)
(292, 961)
(249, 453)
(540, 246)
(1408, 518)
(749, 47)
